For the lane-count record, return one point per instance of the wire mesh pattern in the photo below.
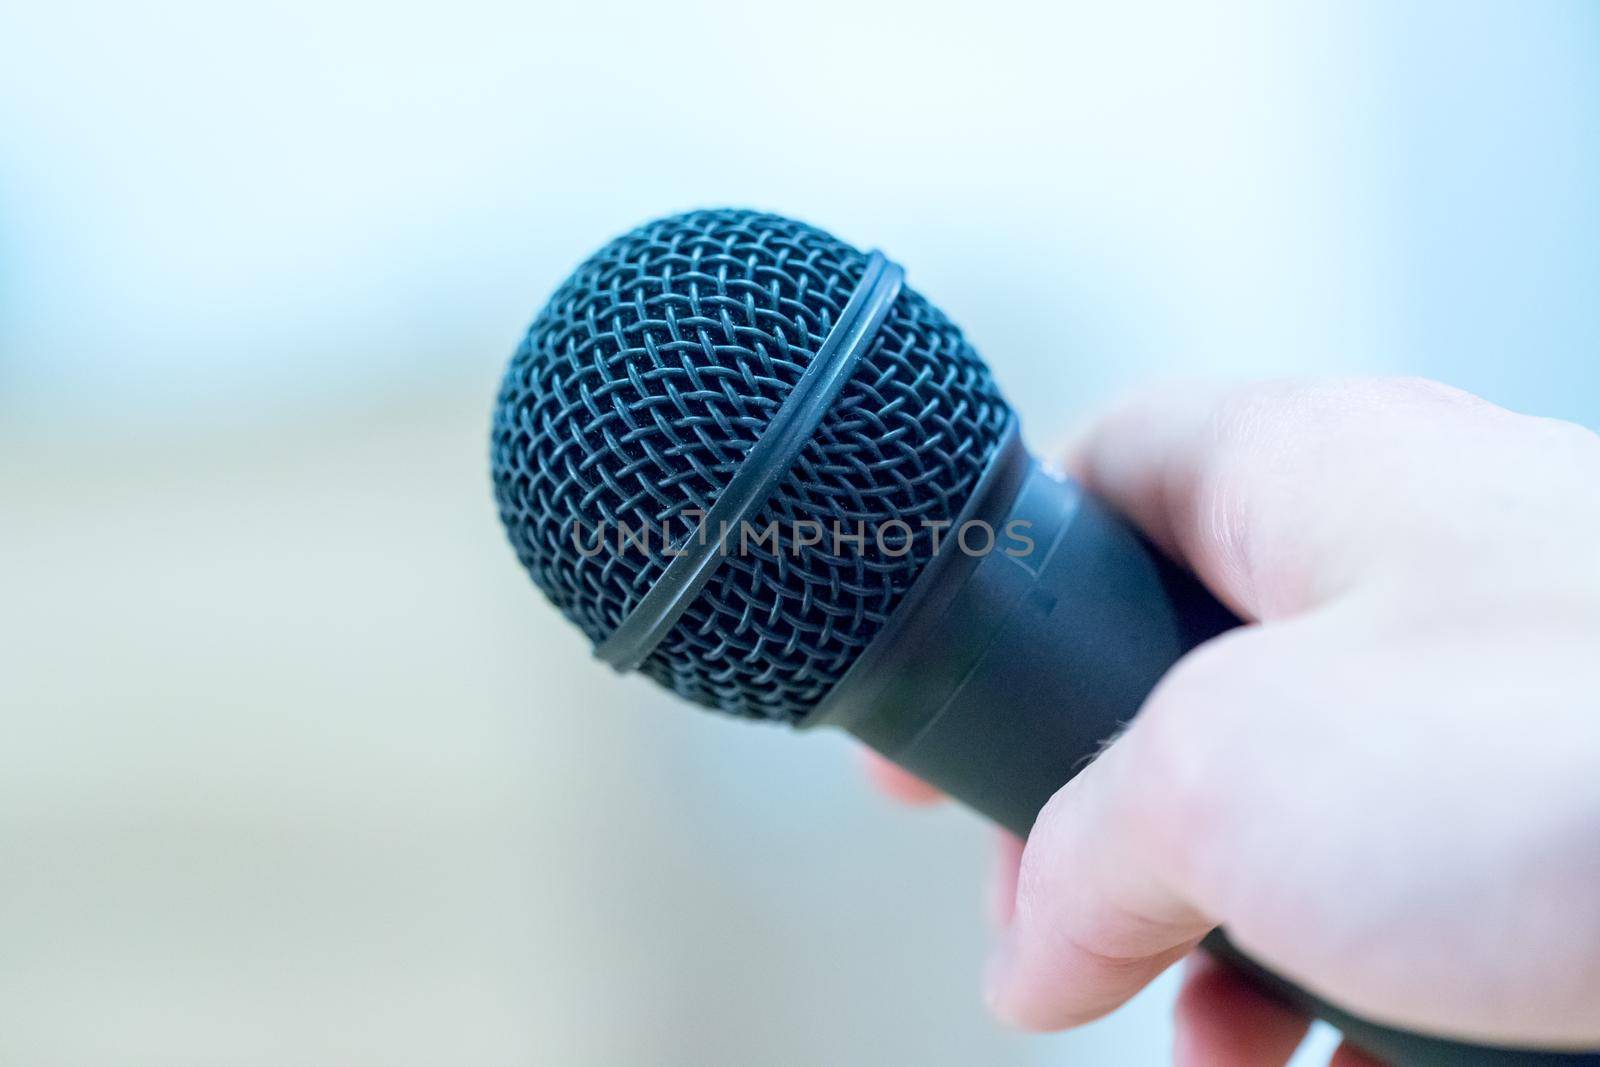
(641, 386)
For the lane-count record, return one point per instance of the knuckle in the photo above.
(1188, 727)
(1242, 415)
(1042, 855)
(1330, 405)
(1566, 437)
(1031, 893)
(1418, 390)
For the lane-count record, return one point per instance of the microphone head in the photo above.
(641, 387)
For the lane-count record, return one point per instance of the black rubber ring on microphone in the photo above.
(697, 556)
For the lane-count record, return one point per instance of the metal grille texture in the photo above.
(637, 392)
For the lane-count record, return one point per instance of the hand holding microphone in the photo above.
(749, 462)
(1388, 790)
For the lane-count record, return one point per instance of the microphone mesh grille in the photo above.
(637, 392)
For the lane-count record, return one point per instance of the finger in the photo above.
(1003, 882)
(1347, 1055)
(896, 782)
(1135, 859)
(1223, 1021)
(1269, 492)
(1094, 918)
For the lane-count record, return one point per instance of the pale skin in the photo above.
(1387, 786)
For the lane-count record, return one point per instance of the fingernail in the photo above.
(1003, 881)
(997, 980)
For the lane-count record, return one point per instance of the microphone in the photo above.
(745, 459)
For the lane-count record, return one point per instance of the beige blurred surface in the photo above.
(298, 768)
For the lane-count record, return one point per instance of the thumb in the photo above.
(1103, 904)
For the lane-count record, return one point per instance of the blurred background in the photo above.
(297, 767)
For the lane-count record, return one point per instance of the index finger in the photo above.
(1277, 494)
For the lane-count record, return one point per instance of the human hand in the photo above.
(1389, 790)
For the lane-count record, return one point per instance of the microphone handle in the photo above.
(1003, 675)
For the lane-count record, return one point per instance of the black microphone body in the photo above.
(1004, 673)
(737, 366)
